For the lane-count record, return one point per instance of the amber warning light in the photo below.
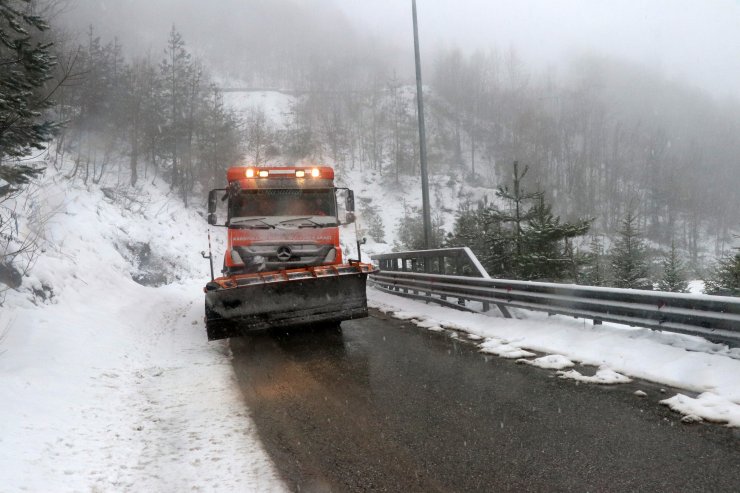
(252, 173)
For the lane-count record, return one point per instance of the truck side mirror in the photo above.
(349, 218)
(212, 220)
(350, 201)
(211, 204)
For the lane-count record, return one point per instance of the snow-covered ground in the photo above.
(708, 372)
(276, 106)
(110, 385)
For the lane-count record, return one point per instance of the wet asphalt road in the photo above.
(385, 406)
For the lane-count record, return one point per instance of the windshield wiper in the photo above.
(313, 223)
(249, 219)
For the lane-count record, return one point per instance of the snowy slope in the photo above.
(110, 385)
(277, 106)
(447, 190)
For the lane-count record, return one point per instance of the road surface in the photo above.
(385, 406)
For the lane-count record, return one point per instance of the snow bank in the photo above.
(110, 385)
(619, 352)
(604, 376)
(549, 362)
(708, 405)
(504, 349)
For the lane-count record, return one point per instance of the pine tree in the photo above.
(539, 246)
(175, 68)
(480, 228)
(27, 66)
(674, 279)
(469, 229)
(542, 249)
(410, 231)
(219, 139)
(594, 272)
(517, 196)
(153, 121)
(547, 252)
(371, 217)
(496, 252)
(725, 279)
(629, 267)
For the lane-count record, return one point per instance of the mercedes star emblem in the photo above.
(284, 253)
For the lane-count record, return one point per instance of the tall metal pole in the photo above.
(422, 138)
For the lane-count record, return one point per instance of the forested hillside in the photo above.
(604, 141)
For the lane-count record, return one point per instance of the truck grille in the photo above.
(284, 255)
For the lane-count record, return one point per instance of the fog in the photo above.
(698, 42)
(614, 106)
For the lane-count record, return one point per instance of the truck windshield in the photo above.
(292, 202)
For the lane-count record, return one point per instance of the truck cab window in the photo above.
(268, 203)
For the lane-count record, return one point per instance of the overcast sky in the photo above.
(694, 40)
(698, 40)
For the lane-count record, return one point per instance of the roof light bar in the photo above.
(299, 173)
(264, 173)
(315, 172)
(250, 173)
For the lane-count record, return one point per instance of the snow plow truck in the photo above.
(283, 265)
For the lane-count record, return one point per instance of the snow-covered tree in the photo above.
(373, 222)
(725, 280)
(469, 229)
(481, 229)
(594, 268)
(518, 214)
(674, 278)
(629, 267)
(175, 69)
(547, 254)
(219, 140)
(526, 241)
(410, 231)
(27, 65)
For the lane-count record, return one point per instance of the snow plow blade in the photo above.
(241, 304)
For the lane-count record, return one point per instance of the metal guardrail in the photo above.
(423, 275)
(459, 261)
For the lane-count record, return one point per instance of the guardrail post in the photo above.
(442, 271)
